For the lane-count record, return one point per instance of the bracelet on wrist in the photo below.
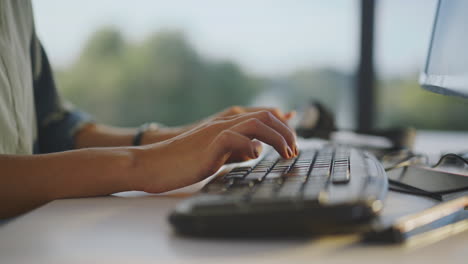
(137, 139)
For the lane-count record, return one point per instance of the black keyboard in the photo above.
(328, 190)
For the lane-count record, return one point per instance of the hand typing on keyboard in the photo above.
(201, 151)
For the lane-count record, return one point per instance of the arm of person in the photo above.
(98, 135)
(28, 181)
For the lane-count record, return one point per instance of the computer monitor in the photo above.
(446, 68)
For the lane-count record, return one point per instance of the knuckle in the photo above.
(267, 116)
(235, 109)
(217, 124)
(225, 135)
(275, 111)
(254, 122)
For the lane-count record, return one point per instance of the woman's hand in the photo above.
(201, 151)
(239, 110)
(229, 113)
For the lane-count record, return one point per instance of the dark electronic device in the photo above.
(326, 190)
(316, 121)
(446, 69)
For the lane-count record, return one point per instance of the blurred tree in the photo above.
(105, 44)
(324, 85)
(164, 79)
(161, 79)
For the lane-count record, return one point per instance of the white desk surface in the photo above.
(133, 228)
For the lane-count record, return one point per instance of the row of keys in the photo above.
(305, 176)
(341, 174)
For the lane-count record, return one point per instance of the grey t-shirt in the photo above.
(33, 118)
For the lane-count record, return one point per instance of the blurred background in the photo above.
(130, 62)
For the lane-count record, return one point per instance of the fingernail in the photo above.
(256, 154)
(296, 151)
(291, 114)
(289, 153)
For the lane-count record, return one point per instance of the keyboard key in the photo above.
(274, 175)
(238, 193)
(236, 183)
(260, 170)
(341, 173)
(302, 164)
(234, 175)
(299, 171)
(323, 172)
(340, 176)
(278, 169)
(297, 178)
(243, 169)
(285, 161)
(341, 160)
(255, 176)
(290, 189)
(214, 188)
(264, 191)
(281, 168)
(271, 156)
(312, 191)
(307, 156)
(296, 172)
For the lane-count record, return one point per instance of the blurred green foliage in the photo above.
(404, 103)
(161, 79)
(164, 79)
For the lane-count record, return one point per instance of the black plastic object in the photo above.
(316, 122)
(431, 179)
(228, 205)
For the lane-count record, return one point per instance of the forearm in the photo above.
(97, 135)
(32, 180)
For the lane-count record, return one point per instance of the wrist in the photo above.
(142, 130)
(153, 168)
(161, 134)
(146, 167)
(90, 172)
(135, 172)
